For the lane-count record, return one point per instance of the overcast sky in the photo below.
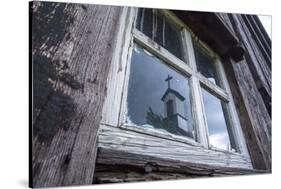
(266, 22)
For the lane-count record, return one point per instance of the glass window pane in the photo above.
(155, 25)
(205, 64)
(158, 96)
(217, 126)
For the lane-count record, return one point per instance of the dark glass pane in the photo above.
(172, 39)
(217, 126)
(153, 24)
(158, 96)
(144, 21)
(205, 64)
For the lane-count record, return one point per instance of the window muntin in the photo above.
(160, 29)
(219, 89)
(158, 96)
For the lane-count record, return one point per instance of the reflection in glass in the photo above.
(158, 96)
(153, 24)
(205, 64)
(217, 126)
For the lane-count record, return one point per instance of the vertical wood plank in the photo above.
(250, 74)
(119, 68)
(72, 47)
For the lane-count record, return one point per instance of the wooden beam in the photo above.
(139, 167)
(72, 47)
(245, 121)
(260, 121)
(212, 30)
(140, 143)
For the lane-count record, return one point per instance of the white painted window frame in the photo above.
(115, 109)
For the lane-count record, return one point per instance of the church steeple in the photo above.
(171, 91)
(174, 111)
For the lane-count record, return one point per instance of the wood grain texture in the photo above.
(251, 74)
(120, 139)
(79, 55)
(72, 48)
(251, 140)
(119, 166)
(261, 45)
(259, 37)
(257, 62)
(259, 118)
(118, 68)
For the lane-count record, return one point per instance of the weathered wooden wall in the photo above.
(72, 48)
(73, 51)
(253, 76)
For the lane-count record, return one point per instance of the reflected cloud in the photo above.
(219, 140)
(217, 126)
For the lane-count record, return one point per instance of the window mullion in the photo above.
(202, 131)
(198, 111)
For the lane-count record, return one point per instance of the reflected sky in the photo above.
(218, 133)
(147, 87)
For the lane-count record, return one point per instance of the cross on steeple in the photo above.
(168, 80)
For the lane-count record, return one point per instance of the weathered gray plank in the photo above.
(140, 167)
(118, 68)
(258, 37)
(248, 133)
(72, 48)
(253, 74)
(260, 121)
(261, 47)
(225, 19)
(143, 144)
(262, 69)
(259, 69)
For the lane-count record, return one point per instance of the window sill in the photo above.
(128, 140)
(172, 137)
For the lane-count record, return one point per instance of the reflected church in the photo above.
(174, 111)
(158, 96)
